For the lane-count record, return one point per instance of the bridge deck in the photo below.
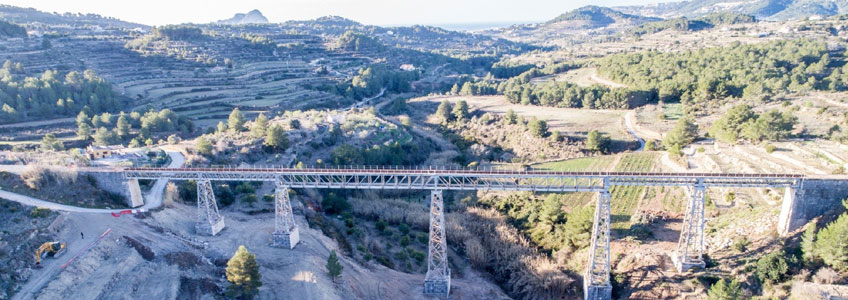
(459, 179)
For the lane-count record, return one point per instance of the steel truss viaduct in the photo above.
(689, 253)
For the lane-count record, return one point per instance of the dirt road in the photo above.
(38, 123)
(152, 200)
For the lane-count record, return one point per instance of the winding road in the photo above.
(152, 199)
(629, 123)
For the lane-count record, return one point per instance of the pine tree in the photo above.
(222, 127)
(460, 110)
(596, 141)
(276, 138)
(105, 137)
(82, 117)
(511, 117)
(243, 275)
(123, 125)
(236, 120)
(444, 111)
(50, 143)
(808, 244)
(538, 128)
(135, 143)
(203, 146)
(832, 244)
(683, 134)
(260, 125)
(334, 268)
(84, 131)
(723, 290)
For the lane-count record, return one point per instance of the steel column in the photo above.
(209, 221)
(596, 281)
(437, 280)
(690, 248)
(285, 234)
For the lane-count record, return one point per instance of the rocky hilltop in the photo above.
(252, 17)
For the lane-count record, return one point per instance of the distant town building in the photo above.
(407, 67)
(98, 152)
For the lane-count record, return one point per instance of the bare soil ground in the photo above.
(167, 261)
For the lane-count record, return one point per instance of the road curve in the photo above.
(152, 200)
(629, 123)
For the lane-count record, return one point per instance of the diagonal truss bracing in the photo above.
(540, 181)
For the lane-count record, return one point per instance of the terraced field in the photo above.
(177, 77)
(626, 200)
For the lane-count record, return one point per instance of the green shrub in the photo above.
(741, 244)
(403, 228)
(224, 195)
(381, 225)
(773, 267)
(404, 241)
(39, 212)
(770, 148)
(334, 204)
(417, 255)
(245, 188)
(249, 199)
(401, 255)
(724, 290)
(268, 198)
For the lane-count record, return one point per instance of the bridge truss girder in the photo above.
(463, 180)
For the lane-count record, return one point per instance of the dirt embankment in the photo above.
(23, 231)
(159, 256)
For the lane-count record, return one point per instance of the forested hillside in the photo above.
(11, 30)
(742, 71)
(51, 94)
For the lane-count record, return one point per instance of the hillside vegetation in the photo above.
(740, 71)
(52, 94)
(11, 30)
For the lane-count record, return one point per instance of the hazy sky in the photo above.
(378, 12)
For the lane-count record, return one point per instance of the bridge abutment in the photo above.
(437, 280)
(808, 199)
(135, 199)
(285, 233)
(596, 281)
(209, 221)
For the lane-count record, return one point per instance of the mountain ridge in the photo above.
(773, 10)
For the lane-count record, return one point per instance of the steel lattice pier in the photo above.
(597, 285)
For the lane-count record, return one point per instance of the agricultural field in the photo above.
(569, 122)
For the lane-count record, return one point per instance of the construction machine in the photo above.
(52, 249)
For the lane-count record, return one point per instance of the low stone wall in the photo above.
(815, 198)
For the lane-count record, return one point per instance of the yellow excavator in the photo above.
(52, 249)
